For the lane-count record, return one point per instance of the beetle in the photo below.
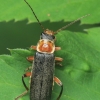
(42, 70)
(42, 74)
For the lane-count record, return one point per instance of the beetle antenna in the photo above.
(70, 24)
(35, 15)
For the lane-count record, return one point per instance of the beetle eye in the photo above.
(41, 36)
(53, 37)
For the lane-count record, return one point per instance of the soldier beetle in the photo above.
(42, 70)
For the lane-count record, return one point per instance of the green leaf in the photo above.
(11, 69)
(58, 10)
(80, 73)
(79, 42)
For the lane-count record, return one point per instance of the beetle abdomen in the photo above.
(42, 76)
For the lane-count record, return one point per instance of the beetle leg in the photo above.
(59, 64)
(58, 59)
(57, 48)
(30, 58)
(28, 74)
(34, 47)
(60, 84)
(29, 68)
